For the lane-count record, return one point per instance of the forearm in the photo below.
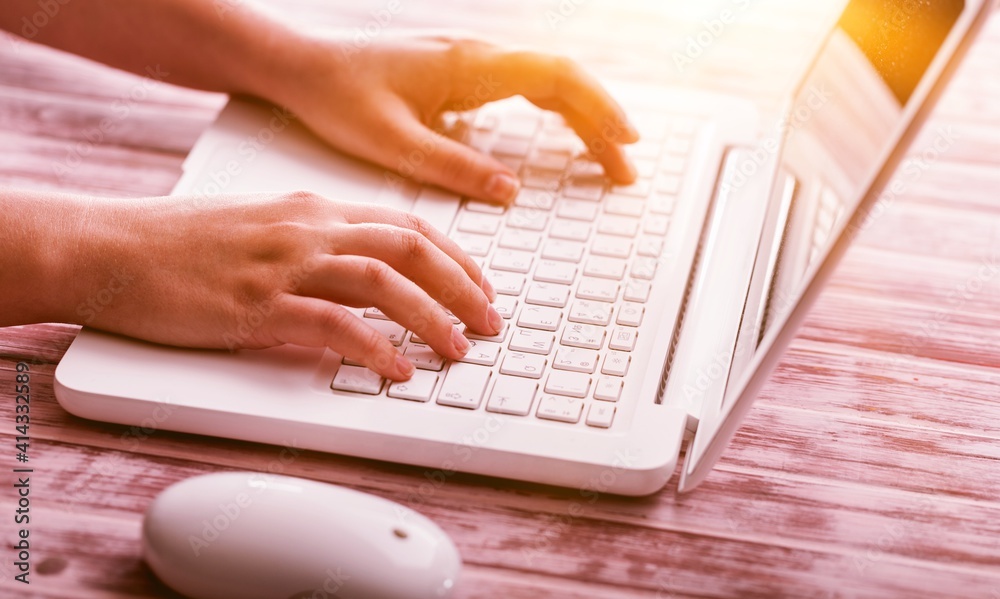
(215, 45)
(37, 235)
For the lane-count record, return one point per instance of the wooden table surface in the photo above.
(870, 467)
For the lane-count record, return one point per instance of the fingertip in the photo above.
(404, 368)
(501, 187)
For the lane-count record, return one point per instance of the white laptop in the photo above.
(635, 316)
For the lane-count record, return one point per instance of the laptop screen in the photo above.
(843, 119)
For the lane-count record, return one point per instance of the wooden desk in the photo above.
(869, 467)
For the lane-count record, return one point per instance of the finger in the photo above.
(486, 73)
(417, 258)
(362, 282)
(617, 165)
(437, 160)
(317, 323)
(366, 213)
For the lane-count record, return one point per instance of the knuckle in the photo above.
(413, 245)
(334, 319)
(376, 274)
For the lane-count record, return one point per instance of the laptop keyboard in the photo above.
(573, 260)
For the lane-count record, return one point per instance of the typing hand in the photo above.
(261, 271)
(378, 102)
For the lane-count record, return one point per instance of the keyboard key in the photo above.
(519, 239)
(669, 184)
(601, 414)
(616, 363)
(623, 226)
(662, 203)
(644, 268)
(549, 161)
(540, 179)
(569, 229)
(656, 224)
(677, 145)
(605, 268)
(538, 199)
(472, 244)
(531, 219)
(588, 312)
(563, 250)
(549, 271)
(506, 283)
(474, 222)
(590, 191)
(483, 353)
(532, 341)
(464, 386)
(637, 290)
(583, 335)
(477, 206)
(498, 338)
(623, 338)
(512, 395)
(505, 305)
(630, 314)
(375, 313)
(601, 290)
(576, 359)
(577, 209)
(640, 189)
(357, 379)
(511, 146)
(524, 365)
(625, 206)
(547, 294)
(571, 384)
(418, 388)
(673, 164)
(424, 357)
(645, 168)
(587, 169)
(540, 318)
(562, 409)
(512, 260)
(608, 388)
(389, 329)
(519, 126)
(644, 148)
(514, 163)
(650, 246)
(609, 245)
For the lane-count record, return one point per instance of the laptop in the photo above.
(636, 317)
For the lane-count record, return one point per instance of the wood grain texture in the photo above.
(869, 467)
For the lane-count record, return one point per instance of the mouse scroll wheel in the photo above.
(400, 533)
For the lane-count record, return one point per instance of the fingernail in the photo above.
(496, 321)
(404, 366)
(632, 131)
(502, 187)
(488, 289)
(459, 341)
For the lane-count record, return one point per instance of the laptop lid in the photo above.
(862, 101)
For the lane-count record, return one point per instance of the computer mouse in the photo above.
(254, 535)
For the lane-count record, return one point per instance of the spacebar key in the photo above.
(464, 386)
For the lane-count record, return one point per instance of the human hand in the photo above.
(260, 271)
(380, 101)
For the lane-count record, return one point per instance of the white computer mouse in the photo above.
(254, 535)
